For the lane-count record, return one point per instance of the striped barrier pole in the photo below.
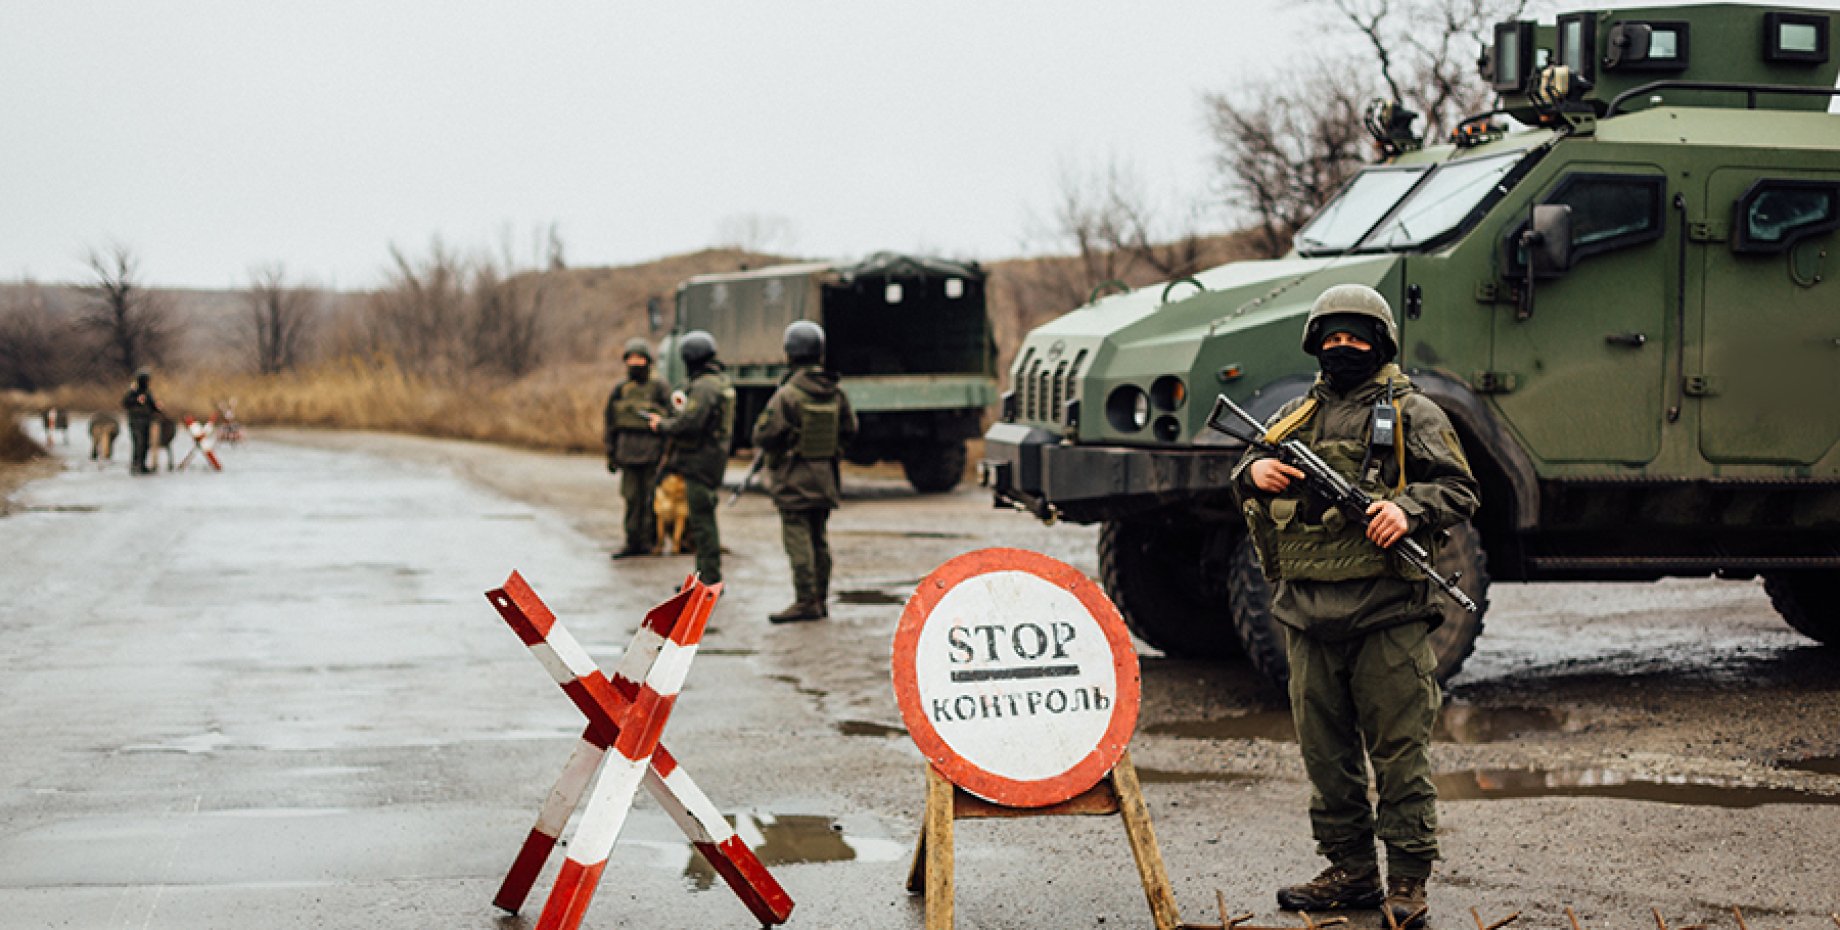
(201, 442)
(607, 704)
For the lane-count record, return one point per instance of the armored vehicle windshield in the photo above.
(1392, 208)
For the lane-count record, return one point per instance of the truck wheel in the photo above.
(1249, 596)
(935, 468)
(1809, 601)
(1153, 573)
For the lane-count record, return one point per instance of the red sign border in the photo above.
(960, 771)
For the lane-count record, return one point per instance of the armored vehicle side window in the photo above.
(1774, 215)
(1346, 220)
(1609, 211)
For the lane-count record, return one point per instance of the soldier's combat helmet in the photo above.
(638, 347)
(697, 348)
(804, 343)
(1352, 308)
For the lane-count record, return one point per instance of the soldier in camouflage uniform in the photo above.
(633, 449)
(700, 435)
(142, 411)
(801, 431)
(1356, 619)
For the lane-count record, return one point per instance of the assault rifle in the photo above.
(1332, 486)
(760, 458)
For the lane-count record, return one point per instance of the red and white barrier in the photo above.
(626, 714)
(203, 440)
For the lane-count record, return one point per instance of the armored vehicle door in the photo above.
(1769, 366)
(1578, 369)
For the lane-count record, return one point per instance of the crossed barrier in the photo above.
(626, 713)
(204, 441)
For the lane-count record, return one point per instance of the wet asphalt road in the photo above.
(276, 697)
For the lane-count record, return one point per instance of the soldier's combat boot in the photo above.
(799, 610)
(1405, 900)
(1337, 888)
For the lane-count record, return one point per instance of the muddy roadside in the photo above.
(1610, 747)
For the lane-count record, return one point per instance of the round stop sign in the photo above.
(1015, 676)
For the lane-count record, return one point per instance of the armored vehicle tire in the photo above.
(934, 467)
(1152, 571)
(1809, 601)
(1249, 598)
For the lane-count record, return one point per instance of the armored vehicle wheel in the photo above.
(1249, 596)
(936, 467)
(1809, 601)
(1153, 572)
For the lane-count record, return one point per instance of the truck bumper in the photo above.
(1028, 468)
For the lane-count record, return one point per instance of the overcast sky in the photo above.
(211, 137)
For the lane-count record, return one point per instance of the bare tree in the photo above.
(506, 330)
(38, 349)
(418, 317)
(1117, 233)
(131, 325)
(1425, 51)
(275, 327)
(1285, 147)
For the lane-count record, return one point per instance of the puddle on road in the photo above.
(1506, 784)
(1150, 776)
(1457, 723)
(867, 728)
(797, 839)
(1820, 765)
(57, 508)
(903, 534)
(870, 598)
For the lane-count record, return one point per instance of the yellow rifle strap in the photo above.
(1283, 429)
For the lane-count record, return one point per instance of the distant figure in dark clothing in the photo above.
(142, 409)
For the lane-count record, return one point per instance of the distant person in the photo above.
(802, 431)
(633, 449)
(142, 411)
(698, 451)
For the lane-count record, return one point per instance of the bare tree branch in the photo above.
(132, 325)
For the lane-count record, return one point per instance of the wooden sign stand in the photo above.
(1117, 793)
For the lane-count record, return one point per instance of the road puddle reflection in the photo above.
(1457, 723)
(798, 839)
(1504, 784)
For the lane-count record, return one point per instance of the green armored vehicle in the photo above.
(910, 337)
(1628, 310)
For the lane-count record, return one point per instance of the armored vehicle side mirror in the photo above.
(1628, 44)
(654, 313)
(1546, 245)
(1548, 239)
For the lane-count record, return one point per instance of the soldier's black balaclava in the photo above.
(638, 368)
(1346, 367)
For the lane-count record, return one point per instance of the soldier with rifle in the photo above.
(700, 435)
(633, 449)
(1347, 550)
(801, 433)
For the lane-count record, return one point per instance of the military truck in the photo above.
(909, 335)
(1625, 304)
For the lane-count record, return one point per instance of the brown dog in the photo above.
(672, 510)
(103, 429)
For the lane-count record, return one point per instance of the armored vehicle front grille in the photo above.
(1042, 393)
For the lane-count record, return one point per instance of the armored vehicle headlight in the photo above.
(1168, 392)
(1127, 408)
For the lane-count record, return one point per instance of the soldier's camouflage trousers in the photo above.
(701, 527)
(636, 485)
(803, 534)
(1372, 697)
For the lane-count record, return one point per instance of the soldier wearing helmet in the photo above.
(633, 449)
(699, 436)
(802, 431)
(1356, 620)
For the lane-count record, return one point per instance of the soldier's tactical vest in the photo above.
(817, 427)
(1294, 546)
(630, 404)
